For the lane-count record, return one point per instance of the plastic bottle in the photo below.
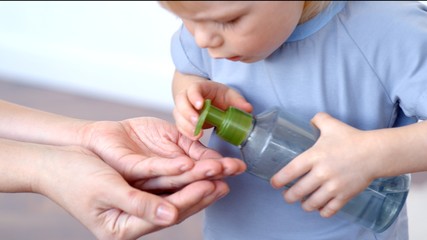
(272, 139)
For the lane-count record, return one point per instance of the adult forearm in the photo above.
(32, 125)
(19, 166)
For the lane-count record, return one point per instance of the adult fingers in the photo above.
(197, 196)
(144, 168)
(128, 213)
(202, 169)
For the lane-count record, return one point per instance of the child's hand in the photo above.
(189, 95)
(342, 163)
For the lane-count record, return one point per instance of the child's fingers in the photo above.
(184, 107)
(195, 97)
(290, 172)
(302, 188)
(332, 207)
(238, 101)
(185, 116)
(317, 200)
(185, 126)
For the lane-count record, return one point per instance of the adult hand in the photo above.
(131, 146)
(151, 153)
(101, 199)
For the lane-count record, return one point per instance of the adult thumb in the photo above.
(148, 207)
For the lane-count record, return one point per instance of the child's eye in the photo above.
(230, 23)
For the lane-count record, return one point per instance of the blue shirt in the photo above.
(362, 62)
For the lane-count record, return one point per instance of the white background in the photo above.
(118, 50)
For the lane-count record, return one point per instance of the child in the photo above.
(357, 69)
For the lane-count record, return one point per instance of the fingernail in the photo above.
(326, 213)
(198, 104)
(210, 173)
(165, 213)
(194, 119)
(221, 195)
(274, 184)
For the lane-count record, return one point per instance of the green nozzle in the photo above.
(232, 125)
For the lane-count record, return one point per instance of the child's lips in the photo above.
(235, 58)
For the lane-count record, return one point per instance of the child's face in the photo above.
(246, 31)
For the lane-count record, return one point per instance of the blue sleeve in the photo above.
(187, 57)
(399, 60)
(408, 71)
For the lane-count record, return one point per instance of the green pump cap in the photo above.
(233, 125)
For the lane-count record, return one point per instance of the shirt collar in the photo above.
(315, 24)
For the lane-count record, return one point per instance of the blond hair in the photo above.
(175, 6)
(310, 10)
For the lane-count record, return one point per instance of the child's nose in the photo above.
(206, 38)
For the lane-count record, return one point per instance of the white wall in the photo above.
(117, 50)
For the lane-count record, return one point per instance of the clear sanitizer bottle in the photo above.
(272, 139)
